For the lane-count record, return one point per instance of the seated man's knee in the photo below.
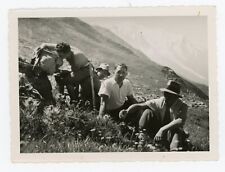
(145, 118)
(148, 113)
(176, 142)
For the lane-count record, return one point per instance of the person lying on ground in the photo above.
(116, 93)
(162, 118)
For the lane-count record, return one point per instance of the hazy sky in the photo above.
(177, 42)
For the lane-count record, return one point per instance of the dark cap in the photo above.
(173, 87)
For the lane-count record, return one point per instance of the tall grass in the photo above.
(70, 128)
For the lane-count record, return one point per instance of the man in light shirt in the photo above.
(163, 118)
(116, 93)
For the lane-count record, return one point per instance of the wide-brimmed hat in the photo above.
(104, 66)
(173, 87)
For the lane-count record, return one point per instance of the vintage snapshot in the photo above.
(113, 84)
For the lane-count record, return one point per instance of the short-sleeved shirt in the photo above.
(177, 110)
(116, 95)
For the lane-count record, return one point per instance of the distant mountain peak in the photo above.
(186, 86)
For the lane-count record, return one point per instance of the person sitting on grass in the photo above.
(116, 93)
(162, 118)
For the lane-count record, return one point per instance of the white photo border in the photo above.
(208, 11)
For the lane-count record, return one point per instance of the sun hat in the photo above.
(173, 87)
(104, 66)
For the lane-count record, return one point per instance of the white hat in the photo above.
(104, 66)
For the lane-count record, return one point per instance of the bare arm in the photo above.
(165, 128)
(132, 109)
(179, 122)
(173, 124)
(102, 105)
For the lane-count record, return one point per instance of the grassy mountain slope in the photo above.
(100, 45)
(202, 87)
(187, 86)
(77, 33)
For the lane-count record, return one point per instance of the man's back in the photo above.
(77, 61)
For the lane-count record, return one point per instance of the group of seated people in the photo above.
(162, 118)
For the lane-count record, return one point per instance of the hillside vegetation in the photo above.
(99, 45)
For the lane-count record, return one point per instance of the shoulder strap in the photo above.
(37, 57)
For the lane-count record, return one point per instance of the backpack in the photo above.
(45, 62)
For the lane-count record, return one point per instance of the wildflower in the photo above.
(141, 142)
(131, 128)
(93, 129)
(87, 103)
(108, 138)
(79, 135)
(45, 121)
(130, 149)
(55, 110)
(59, 96)
(101, 148)
(114, 145)
(152, 147)
(139, 146)
(106, 117)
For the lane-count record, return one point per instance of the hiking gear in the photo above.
(92, 86)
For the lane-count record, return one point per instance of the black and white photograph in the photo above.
(106, 84)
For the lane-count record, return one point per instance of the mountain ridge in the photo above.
(99, 46)
(201, 89)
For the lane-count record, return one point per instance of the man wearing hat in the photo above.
(163, 118)
(103, 71)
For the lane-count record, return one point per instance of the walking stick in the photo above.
(92, 86)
